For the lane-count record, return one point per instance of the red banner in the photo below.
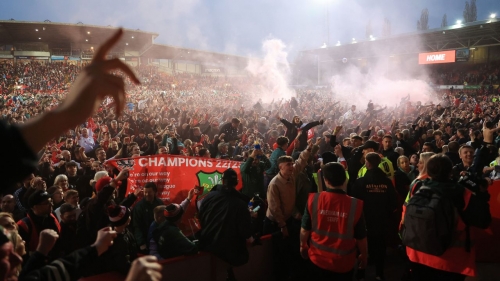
(175, 176)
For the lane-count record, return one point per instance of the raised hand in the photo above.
(95, 83)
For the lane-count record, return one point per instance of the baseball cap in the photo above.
(38, 197)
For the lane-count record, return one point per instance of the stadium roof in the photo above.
(64, 35)
(159, 51)
(59, 35)
(475, 34)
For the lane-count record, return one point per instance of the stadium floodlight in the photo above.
(88, 32)
(132, 37)
(39, 38)
(126, 44)
(86, 40)
(459, 22)
(493, 16)
(36, 29)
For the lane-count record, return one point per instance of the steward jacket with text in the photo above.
(379, 197)
(333, 220)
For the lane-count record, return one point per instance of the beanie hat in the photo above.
(118, 215)
(173, 212)
(101, 183)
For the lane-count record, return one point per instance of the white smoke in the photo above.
(376, 87)
(271, 73)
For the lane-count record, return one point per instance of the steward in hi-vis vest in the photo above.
(333, 229)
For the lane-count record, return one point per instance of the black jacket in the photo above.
(73, 266)
(225, 226)
(293, 129)
(118, 257)
(230, 132)
(379, 197)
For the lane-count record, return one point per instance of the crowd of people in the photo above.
(474, 74)
(331, 181)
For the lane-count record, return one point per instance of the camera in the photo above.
(469, 181)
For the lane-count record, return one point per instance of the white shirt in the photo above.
(58, 213)
(87, 143)
(349, 115)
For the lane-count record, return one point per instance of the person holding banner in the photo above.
(143, 215)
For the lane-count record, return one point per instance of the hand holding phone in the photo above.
(198, 189)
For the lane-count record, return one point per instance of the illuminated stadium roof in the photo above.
(62, 35)
(66, 35)
(475, 34)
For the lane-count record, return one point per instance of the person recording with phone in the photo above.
(252, 172)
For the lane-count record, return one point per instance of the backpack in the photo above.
(430, 221)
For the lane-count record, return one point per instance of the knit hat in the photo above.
(173, 212)
(118, 215)
(101, 183)
(37, 197)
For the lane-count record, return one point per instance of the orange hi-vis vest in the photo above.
(456, 258)
(333, 217)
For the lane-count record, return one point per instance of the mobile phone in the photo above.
(497, 168)
(198, 189)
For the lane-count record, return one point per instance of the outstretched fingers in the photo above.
(117, 64)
